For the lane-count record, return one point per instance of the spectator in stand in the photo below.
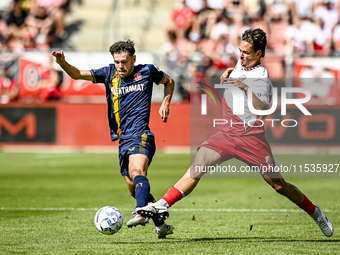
(337, 5)
(2, 37)
(26, 5)
(193, 93)
(302, 12)
(253, 10)
(4, 10)
(214, 34)
(276, 12)
(326, 11)
(29, 24)
(181, 22)
(217, 4)
(178, 68)
(234, 9)
(225, 26)
(9, 89)
(216, 51)
(301, 9)
(17, 37)
(195, 5)
(55, 10)
(322, 38)
(299, 40)
(39, 24)
(336, 40)
(183, 77)
(50, 83)
(204, 20)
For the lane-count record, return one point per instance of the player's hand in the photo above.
(226, 74)
(164, 111)
(236, 83)
(59, 57)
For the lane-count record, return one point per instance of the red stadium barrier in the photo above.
(87, 124)
(32, 66)
(31, 71)
(83, 125)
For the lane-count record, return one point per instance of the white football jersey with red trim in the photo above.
(257, 79)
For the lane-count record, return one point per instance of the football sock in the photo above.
(316, 214)
(156, 221)
(307, 206)
(173, 195)
(163, 203)
(151, 199)
(142, 190)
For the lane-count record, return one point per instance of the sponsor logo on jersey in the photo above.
(138, 76)
(242, 77)
(269, 160)
(127, 89)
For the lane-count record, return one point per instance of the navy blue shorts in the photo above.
(143, 144)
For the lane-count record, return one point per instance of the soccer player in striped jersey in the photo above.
(128, 95)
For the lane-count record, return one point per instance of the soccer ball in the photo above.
(108, 220)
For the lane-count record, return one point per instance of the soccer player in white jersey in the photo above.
(244, 142)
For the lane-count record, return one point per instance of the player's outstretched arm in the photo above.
(72, 71)
(226, 74)
(169, 86)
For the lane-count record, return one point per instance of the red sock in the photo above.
(172, 196)
(307, 206)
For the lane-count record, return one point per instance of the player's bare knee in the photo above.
(196, 170)
(198, 162)
(135, 172)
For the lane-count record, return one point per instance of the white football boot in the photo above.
(164, 230)
(153, 210)
(136, 220)
(323, 222)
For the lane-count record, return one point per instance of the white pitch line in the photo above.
(171, 209)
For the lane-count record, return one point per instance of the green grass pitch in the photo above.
(48, 201)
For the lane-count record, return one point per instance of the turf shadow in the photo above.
(234, 239)
(260, 239)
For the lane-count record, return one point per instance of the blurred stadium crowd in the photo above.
(31, 24)
(203, 35)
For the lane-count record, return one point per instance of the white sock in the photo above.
(163, 203)
(183, 194)
(316, 213)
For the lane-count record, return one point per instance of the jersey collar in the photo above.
(251, 68)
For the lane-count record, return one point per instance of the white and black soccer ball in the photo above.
(108, 220)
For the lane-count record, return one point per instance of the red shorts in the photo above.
(253, 150)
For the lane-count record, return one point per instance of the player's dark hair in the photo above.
(257, 37)
(121, 46)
